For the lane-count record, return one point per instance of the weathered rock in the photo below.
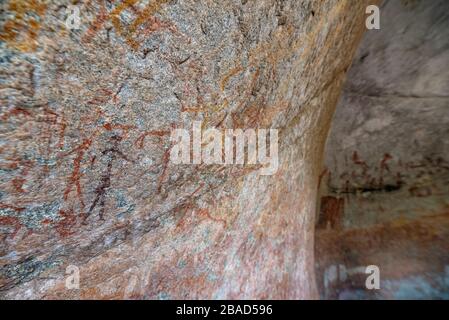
(385, 191)
(86, 116)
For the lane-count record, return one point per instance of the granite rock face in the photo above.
(86, 117)
(384, 190)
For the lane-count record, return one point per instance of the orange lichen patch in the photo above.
(21, 33)
(115, 18)
(152, 8)
(155, 24)
(143, 18)
(192, 109)
(234, 71)
(209, 110)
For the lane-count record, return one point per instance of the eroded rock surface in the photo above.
(85, 122)
(385, 188)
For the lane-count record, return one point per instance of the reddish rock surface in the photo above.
(384, 190)
(85, 120)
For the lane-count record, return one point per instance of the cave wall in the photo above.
(86, 117)
(384, 191)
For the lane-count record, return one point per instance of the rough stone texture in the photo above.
(85, 122)
(385, 189)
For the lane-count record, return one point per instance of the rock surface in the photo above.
(385, 189)
(85, 121)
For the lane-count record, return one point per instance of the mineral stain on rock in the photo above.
(85, 172)
(386, 161)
